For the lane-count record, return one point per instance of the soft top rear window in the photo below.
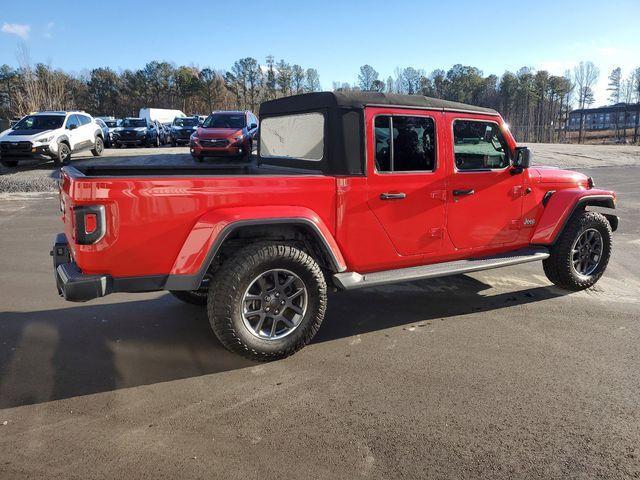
(299, 136)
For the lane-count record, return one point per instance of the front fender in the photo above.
(561, 206)
(213, 227)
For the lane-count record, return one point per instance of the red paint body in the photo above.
(166, 225)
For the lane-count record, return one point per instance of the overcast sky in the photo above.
(334, 37)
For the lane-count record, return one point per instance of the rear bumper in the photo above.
(76, 286)
(71, 283)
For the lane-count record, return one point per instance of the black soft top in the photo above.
(344, 147)
(359, 100)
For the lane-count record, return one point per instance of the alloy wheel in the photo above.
(274, 304)
(586, 252)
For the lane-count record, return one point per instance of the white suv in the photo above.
(52, 134)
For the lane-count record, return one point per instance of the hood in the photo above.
(553, 175)
(213, 133)
(27, 133)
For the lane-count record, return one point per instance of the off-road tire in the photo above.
(194, 297)
(559, 267)
(98, 148)
(63, 156)
(9, 163)
(232, 280)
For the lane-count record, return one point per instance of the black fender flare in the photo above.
(192, 282)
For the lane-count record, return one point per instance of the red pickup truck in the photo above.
(349, 190)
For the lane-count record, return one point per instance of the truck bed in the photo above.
(106, 171)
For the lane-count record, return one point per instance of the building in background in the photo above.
(604, 118)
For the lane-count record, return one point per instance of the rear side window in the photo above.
(293, 136)
(73, 120)
(479, 145)
(405, 144)
(84, 120)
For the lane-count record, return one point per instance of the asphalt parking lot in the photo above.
(493, 375)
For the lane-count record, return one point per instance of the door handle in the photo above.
(457, 193)
(393, 196)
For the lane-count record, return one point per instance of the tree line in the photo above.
(535, 103)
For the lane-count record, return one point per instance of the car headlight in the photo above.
(44, 139)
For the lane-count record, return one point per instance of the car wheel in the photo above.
(267, 301)
(98, 148)
(64, 155)
(581, 253)
(9, 163)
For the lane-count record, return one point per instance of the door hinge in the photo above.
(439, 194)
(437, 232)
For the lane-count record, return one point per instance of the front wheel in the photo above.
(63, 156)
(267, 301)
(581, 253)
(98, 148)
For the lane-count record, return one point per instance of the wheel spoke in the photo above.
(260, 322)
(296, 309)
(296, 294)
(290, 279)
(273, 327)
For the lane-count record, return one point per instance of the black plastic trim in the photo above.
(80, 212)
(595, 200)
(192, 282)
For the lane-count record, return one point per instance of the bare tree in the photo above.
(585, 75)
(366, 77)
(615, 92)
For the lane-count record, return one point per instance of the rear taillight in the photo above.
(90, 223)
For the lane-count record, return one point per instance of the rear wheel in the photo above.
(267, 301)
(9, 163)
(581, 253)
(98, 148)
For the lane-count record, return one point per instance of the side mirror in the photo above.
(523, 158)
(72, 126)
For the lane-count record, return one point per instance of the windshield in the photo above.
(186, 122)
(225, 120)
(134, 122)
(40, 122)
(111, 123)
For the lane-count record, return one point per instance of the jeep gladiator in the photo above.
(349, 190)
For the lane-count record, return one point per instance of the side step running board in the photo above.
(351, 280)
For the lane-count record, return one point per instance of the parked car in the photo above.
(136, 132)
(105, 131)
(228, 133)
(181, 130)
(162, 133)
(113, 124)
(55, 135)
(351, 190)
